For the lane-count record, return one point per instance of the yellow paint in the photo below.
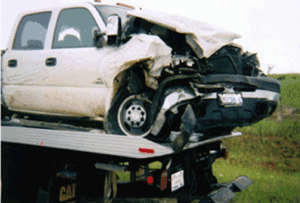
(67, 193)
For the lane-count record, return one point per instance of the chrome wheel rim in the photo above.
(133, 116)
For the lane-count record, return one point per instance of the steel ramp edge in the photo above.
(115, 145)
(213, 139)
(226, 191)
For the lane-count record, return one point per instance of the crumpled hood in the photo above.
(204, 38)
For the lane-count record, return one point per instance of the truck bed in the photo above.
(92, 141)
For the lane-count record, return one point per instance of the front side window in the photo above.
(32, 30)
(75, 28)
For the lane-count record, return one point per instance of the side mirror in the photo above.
(98, 40)
(113, 30)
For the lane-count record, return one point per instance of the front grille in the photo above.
(226, 61)
(244, 89)
(231, 60)
(219, 88)
(211, 90)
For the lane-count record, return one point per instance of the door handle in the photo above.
(50, 62)
(12, 63)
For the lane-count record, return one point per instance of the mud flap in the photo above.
(187, 126)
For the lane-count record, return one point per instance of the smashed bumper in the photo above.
(257, 98)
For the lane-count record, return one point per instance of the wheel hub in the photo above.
(135, 116)
(132, 116)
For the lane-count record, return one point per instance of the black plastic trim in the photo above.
(264, 83)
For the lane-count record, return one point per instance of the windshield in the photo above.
(106, 10)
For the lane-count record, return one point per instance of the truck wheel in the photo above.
(129, 115)
(133, 116)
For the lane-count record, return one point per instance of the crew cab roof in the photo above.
(209, 38)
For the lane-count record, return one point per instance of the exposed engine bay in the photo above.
(200, 91)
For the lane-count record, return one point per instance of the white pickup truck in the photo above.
(176, 87)
(140, 73)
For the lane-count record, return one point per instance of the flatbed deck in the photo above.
(93, 141)
(64, 138)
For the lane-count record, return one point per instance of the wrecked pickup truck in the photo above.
(141, 73)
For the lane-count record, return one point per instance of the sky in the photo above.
(270, 28)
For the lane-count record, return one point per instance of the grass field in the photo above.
(268, 185)
(290, 89)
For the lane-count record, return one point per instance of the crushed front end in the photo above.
(214, 96)
(190, 78)
(215, 104)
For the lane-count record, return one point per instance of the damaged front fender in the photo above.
(173, 96)
(139, 48)
(187, 126)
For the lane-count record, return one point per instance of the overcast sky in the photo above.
(270, 28)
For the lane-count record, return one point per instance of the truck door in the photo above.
(74, 83)
(23, 64)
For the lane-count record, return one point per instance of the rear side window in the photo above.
(32, 30)
(74, 29)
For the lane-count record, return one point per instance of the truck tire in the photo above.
(129, 115)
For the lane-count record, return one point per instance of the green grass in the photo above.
(276, 147)
(290, 89)
(271, 127)
(268, 185)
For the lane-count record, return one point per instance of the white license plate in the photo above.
(231, 100)
(177, 180)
